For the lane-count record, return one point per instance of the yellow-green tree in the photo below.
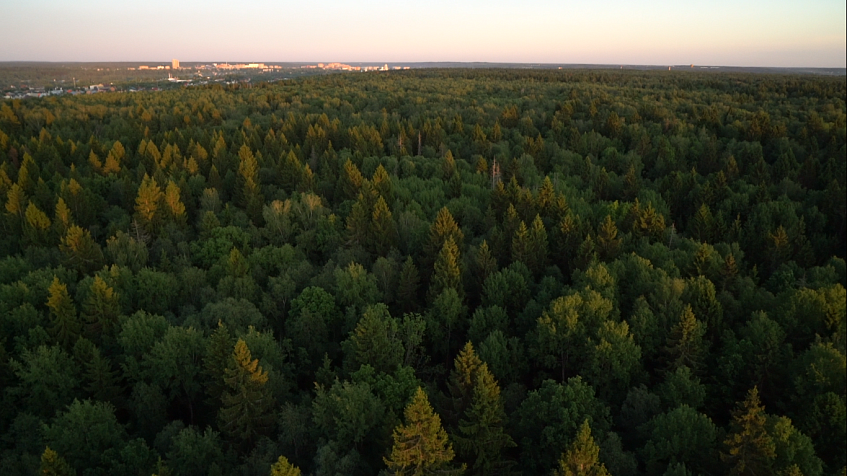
(247, 403)
(147, 203)
(582, 457)
(421, 445)
(447, 274)
(65, 326)
(283, 468)
(749, 448)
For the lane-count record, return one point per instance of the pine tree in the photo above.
(750, 450)
(521, 250)
(466, 368)
(217, 359)
(101, 308)
(283, 468)
(608, 244)
(16, 201)
(383, 230)
(447, 273)
(582, 457)
(247, 404)
(483, 437)
(538, 246)
(62, 219)
(65, 327)
(248, 172)
(686, 346)
(486, 263)
(54, 465)
(442, 228)
(37, 224)
(407, 286)
(173, 203)
(147, 203)
(351, 180)
(81, 251)
(102, 383)
(382, 183)
(420, 445)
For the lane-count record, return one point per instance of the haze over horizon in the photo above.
(750, 33)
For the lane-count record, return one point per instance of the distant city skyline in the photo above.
(761, 33)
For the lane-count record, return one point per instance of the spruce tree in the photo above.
(102, 382)
(383, 231)
(217, 359)
(538, 246)
(483, 437)
(582, 457)
(173, 203)
(407, 286)
(686, 345)
(65, 326)
(750, 450)
(466, 368)
(442, 228)
(608, 244)
(246, 412)
(101, 308)
(421, 445)
(81, 251)
(521, 248)
(447, 273)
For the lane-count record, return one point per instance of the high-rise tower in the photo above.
(174, 64)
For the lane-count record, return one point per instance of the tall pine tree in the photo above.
(421, 445)
(247, 407)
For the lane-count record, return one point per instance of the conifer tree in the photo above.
(351, 180)
(608, 244)
(173, 203)
(421, 445)
(521, 250)
(407, 285)
(65, 327)
(750, 450)
(283, 468)
(248, 171)
(686, 346)
(247, 403)
(383, 231)
(101, 308)
(37, 224)
(466, 368)
(147, 203)
(582, 457)
(217, 359)
(538, 246)
(102, 382)
(382, 183)
(16, 201)
(54, 465)
(80, 250)
(483, 437)
(486, 263)
(447, 273)
(442, 228)
(292, 171)
(62, 219)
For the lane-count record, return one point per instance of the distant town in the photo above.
(145, 78)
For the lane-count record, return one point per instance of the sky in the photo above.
(777, 33)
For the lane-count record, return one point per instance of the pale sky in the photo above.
(715, 32)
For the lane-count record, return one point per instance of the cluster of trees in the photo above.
(426, 272)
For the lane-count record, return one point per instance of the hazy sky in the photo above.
(713, 32)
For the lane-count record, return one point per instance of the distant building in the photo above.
(174, 64)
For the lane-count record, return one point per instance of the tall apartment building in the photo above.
(175, 64)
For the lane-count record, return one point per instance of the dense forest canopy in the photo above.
(427, 272)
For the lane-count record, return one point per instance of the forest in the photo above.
(479, 272)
